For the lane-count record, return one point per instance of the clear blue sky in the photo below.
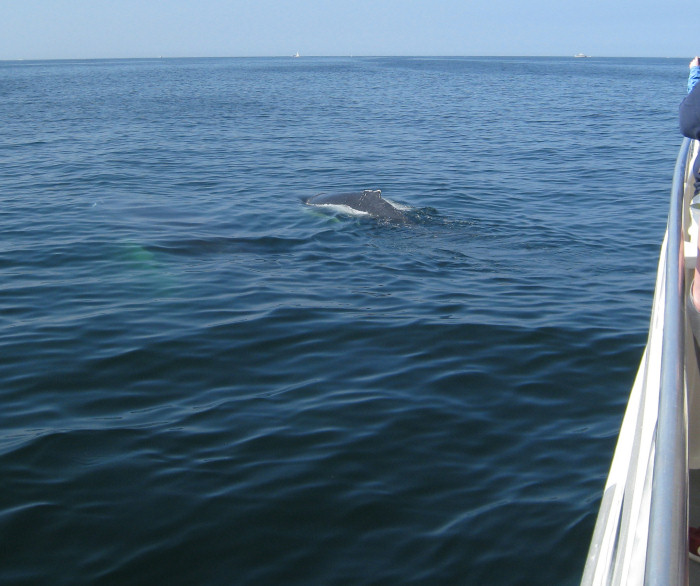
(56, 29)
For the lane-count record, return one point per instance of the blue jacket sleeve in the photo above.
(693, 78)
(689, 111)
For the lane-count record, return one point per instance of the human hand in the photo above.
(695, 62)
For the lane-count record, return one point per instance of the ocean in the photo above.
(205, 381)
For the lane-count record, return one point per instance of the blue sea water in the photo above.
(204, 381)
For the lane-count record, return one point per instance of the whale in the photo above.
(368, 201)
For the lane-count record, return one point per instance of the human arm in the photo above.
(694, 75)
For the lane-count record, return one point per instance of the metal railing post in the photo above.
(667, 547)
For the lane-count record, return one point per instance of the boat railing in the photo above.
(667, 548)
(641, 533)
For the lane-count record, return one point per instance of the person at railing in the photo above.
(690, 106)
(689, 111)
(689, 120)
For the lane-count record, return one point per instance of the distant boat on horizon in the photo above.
(581, 56)
(297, 55)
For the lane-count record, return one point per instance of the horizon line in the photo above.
(426, 56)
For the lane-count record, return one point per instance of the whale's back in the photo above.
(369, 201)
